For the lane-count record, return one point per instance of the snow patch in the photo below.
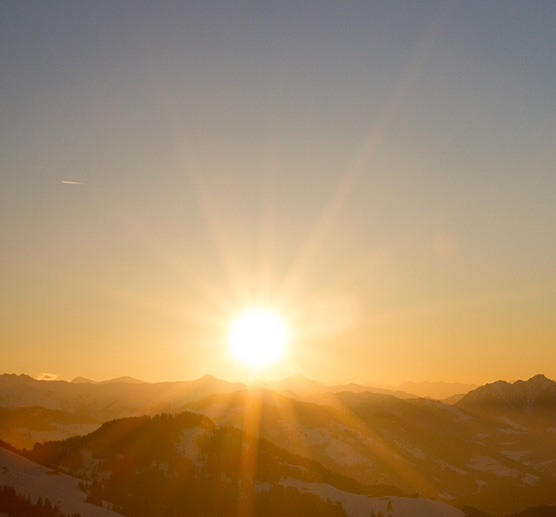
(512, 424)
(342, 453)
(418, 453)
(454, 411)
(444, 465)
(187, 446)
(357, 505)
(480, 485)
(219, 412)
(308, 439)
(530, 479)
(490, 465)
(514, 455)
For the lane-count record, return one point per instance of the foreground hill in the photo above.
(33, 480)
(185, 464)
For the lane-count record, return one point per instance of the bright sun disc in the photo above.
(258, 338)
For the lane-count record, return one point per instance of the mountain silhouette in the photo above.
(536, 393)
(436, 390)
(126, 379)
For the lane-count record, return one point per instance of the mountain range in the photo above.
(493, 449)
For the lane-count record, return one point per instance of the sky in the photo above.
(379, 173)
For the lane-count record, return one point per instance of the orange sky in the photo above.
(380, 174)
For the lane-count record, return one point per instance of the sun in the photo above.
(258, 338)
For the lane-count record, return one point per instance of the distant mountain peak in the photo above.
(538, 390)
(125, 379)
(540, 379)
(299, 376)
(302, 380)
(14, 378)
(83, 380)
(208, 378)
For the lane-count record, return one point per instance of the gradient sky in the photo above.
(381, 173)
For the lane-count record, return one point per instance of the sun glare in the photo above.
(258, 338)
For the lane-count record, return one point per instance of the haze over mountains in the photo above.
(497, 439)
(436, 390)
(82, 404)
(125, 378)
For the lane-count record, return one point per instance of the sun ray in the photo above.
(362, 158)
(249, 452)
(235, 273)
(386, 453)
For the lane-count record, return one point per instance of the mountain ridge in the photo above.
(304, 386)
(465, 453)
(536, 392)
(125, 379)
(438, 390)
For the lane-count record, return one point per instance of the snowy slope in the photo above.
(362, 505)
(34, 480)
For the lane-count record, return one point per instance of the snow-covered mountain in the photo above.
(421, 446)
(498, 439)
(534, 394)
(186, 465)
